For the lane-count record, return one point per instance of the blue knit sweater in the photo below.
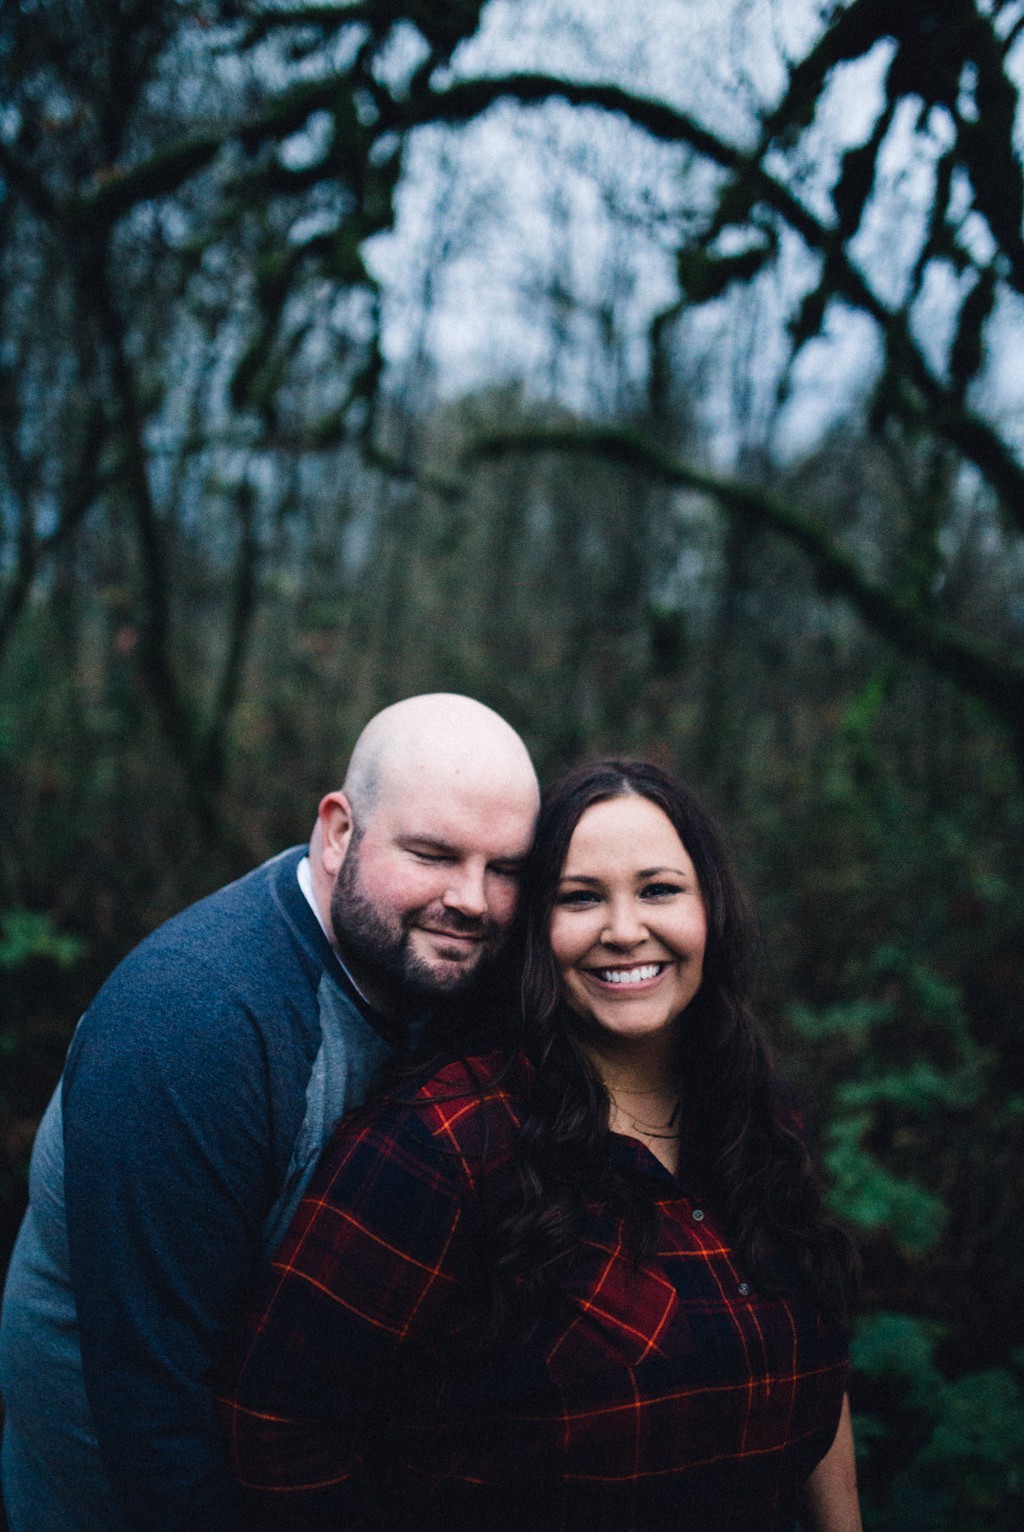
(198, 1091)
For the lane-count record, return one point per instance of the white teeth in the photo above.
(629, 975)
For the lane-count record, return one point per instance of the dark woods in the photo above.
(244, 501)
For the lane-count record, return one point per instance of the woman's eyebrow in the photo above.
(641, 874)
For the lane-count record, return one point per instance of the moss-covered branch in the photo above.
(995, 679)
(751, 184)
(947, 413)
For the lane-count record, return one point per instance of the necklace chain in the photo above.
(668, 1129)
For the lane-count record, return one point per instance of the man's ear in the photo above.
(334, 823)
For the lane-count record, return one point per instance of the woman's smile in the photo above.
(629, 978)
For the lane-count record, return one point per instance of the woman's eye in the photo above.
(660, 890)
(575, 898)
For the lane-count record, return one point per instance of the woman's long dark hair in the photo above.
(748, 1153)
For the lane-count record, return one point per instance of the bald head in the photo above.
(442, 735)
(416, 860)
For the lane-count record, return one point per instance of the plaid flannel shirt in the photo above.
(669, 1396)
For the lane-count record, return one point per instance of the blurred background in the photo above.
(653, 372)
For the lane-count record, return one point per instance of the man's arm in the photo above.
(166, 1176)
(831, 1491)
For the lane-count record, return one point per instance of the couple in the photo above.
(488, 1310)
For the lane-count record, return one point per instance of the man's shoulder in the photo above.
(252, 946)
(221, 929)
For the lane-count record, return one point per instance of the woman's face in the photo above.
(628, 928)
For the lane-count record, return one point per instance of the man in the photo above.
(198, 1091)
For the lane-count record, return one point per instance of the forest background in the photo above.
(653, 372)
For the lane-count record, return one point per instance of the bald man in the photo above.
(199, 1089)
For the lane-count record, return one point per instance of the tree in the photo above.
(948, 102)
(184, 189)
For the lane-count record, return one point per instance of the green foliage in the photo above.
(965, 1472)
(30, 944)
(891, 1109)
(35, 957)
(27, 934)
(870, 1197)
(918, 1106)
(897, 1349)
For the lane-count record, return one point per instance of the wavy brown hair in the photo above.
(749, 1155)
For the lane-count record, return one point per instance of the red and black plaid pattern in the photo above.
(673, 1396)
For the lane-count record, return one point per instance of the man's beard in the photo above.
(380, 946)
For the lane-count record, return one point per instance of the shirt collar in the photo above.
(413, 1031)
(304, 873)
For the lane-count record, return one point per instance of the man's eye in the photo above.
(431, 856)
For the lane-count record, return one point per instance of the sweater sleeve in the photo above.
(166, 1103)
(371, 1265)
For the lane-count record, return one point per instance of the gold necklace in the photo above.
(668, 1129)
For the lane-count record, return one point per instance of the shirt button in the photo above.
(744, 1289)
(698, 1215)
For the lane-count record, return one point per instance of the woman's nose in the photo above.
(624, 927)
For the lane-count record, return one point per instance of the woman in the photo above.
(583, 1281)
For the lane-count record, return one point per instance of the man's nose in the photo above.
(466, 891)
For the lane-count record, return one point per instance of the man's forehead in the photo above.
(451, 811)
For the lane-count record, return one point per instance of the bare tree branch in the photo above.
(997, 680)
(963, 428)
